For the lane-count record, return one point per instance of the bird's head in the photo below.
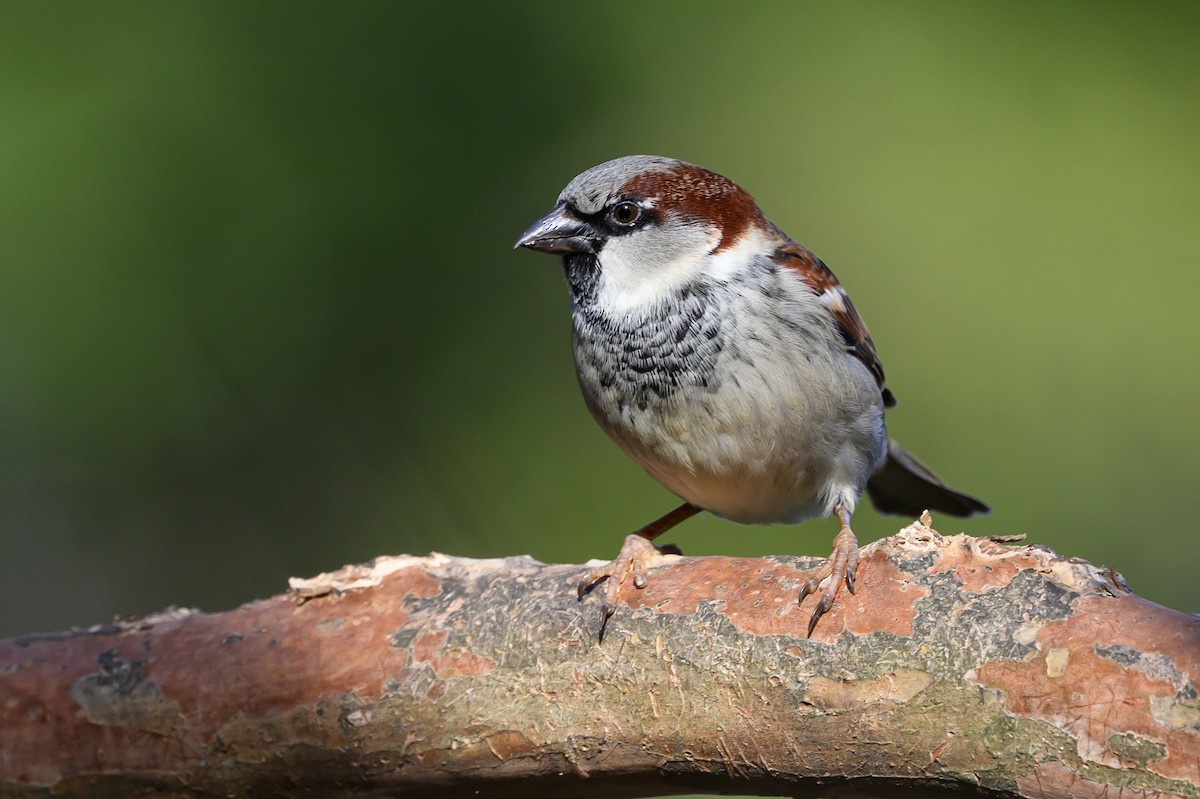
(640, 228)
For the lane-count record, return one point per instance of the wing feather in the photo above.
(822, 282)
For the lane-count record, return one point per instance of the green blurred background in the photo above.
(260, 315)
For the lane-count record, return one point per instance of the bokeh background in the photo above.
(260, 314)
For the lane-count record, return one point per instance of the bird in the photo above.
(728, 362)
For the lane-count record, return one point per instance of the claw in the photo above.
(632, 560)
(634, 557)
(823, 606)
(841, 568)
(606, 612)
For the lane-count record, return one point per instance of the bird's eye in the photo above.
(625, 214)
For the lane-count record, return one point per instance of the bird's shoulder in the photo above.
(802, 263)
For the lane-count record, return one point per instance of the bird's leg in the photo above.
(841, 566)
(635, 554)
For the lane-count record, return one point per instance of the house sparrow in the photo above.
(727, 361)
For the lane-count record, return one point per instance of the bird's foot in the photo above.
(633, 559)
(840, 568)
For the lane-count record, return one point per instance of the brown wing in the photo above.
(820, 278)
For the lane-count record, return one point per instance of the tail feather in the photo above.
(904, 486)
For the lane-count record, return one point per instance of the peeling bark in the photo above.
(960, 665)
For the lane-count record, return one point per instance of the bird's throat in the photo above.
(583, 276)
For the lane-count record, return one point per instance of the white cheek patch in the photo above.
(627, 285)
(638, 271)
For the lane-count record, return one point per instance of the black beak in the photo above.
(560, 231)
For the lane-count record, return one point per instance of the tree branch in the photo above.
(961, 663)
